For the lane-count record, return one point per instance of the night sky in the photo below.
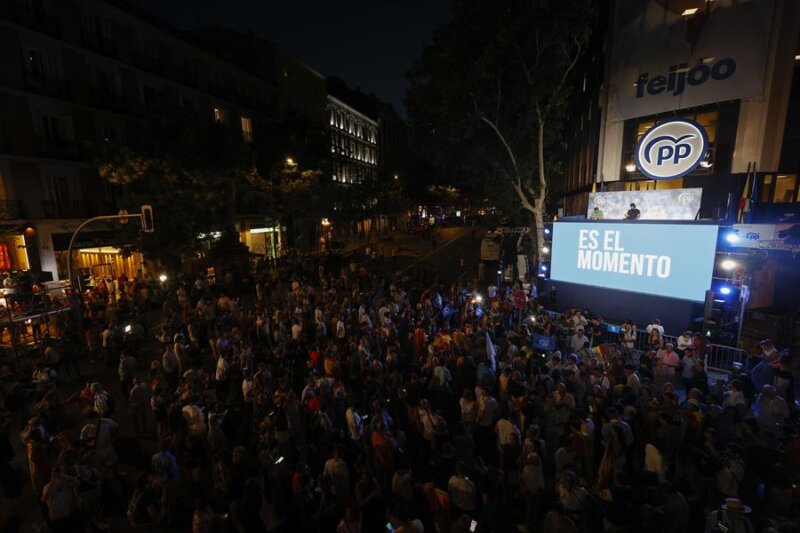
(369, 43)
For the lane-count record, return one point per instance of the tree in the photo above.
(488, 96)
(194, 174)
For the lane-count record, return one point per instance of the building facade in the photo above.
(730, 66)
(354, 144)
(80, 73)
(733, 67)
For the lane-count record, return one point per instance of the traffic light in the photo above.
(148, 226)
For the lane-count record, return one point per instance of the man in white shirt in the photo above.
(336, 470)
(655, 324)
(463, 493)
(684, 341)
(355, 424)
(297, 330)
(487, 408)
(578, 340)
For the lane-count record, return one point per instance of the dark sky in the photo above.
(368, 43)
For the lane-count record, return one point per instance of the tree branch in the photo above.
(500, 137)
(564, 76)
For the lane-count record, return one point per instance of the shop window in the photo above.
(219, 115)
(247, 129)
(785, 189)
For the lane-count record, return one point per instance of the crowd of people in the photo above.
(340, 397)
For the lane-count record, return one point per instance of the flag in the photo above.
(491, 352)
(744, 202)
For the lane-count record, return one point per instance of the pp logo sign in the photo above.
(671, 149)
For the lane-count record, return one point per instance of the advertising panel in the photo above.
(671, 260)
(766, 236)
(668, 55)
(664, 204)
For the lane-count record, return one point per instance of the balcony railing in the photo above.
(27, 15)
(99, 43)
(11, 209)
(57, 149)
(187, 77)
(147, 62)
(55, 209)
(47, 85)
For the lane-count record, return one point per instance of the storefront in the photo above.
(95, 256)
(13, 253)
(267, 241)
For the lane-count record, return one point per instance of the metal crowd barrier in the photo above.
(721, 358)
(717, 357)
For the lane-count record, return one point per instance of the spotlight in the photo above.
(546, 231)
(732, 238)
(728, 264)
(725, 290)
(162, 278)
(544, 267)
(545, 250)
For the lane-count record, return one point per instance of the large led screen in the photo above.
(672, 260)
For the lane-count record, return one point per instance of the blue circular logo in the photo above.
(671, 149)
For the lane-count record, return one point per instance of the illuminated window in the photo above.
(247, 129)
(219, 115)
(784, 189)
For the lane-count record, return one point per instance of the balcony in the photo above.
(148, 63)
(221, 91)
(56, 209)
(187, 77)
(11, 209)
(47, 85)
(35, 18)
(109, 100)
(99, 43)
(55, 148)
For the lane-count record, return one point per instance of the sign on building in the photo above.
(666, 57)
(671, 149)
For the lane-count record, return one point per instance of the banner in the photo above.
(664, 204)
(671, 260)
(767, 236)
(668, 55)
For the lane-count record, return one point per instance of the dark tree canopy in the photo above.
(490, 77)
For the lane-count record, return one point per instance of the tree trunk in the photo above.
(539, 201)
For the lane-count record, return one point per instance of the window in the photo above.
(247, 129)
(219, 115)
(60, 190)
(102, 82)
(784, 189)
(108, 133)
(51, 129)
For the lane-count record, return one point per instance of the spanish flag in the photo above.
(744, 202)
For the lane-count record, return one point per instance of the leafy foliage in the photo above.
(490, 78)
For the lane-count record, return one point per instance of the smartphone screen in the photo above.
(473, 526)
